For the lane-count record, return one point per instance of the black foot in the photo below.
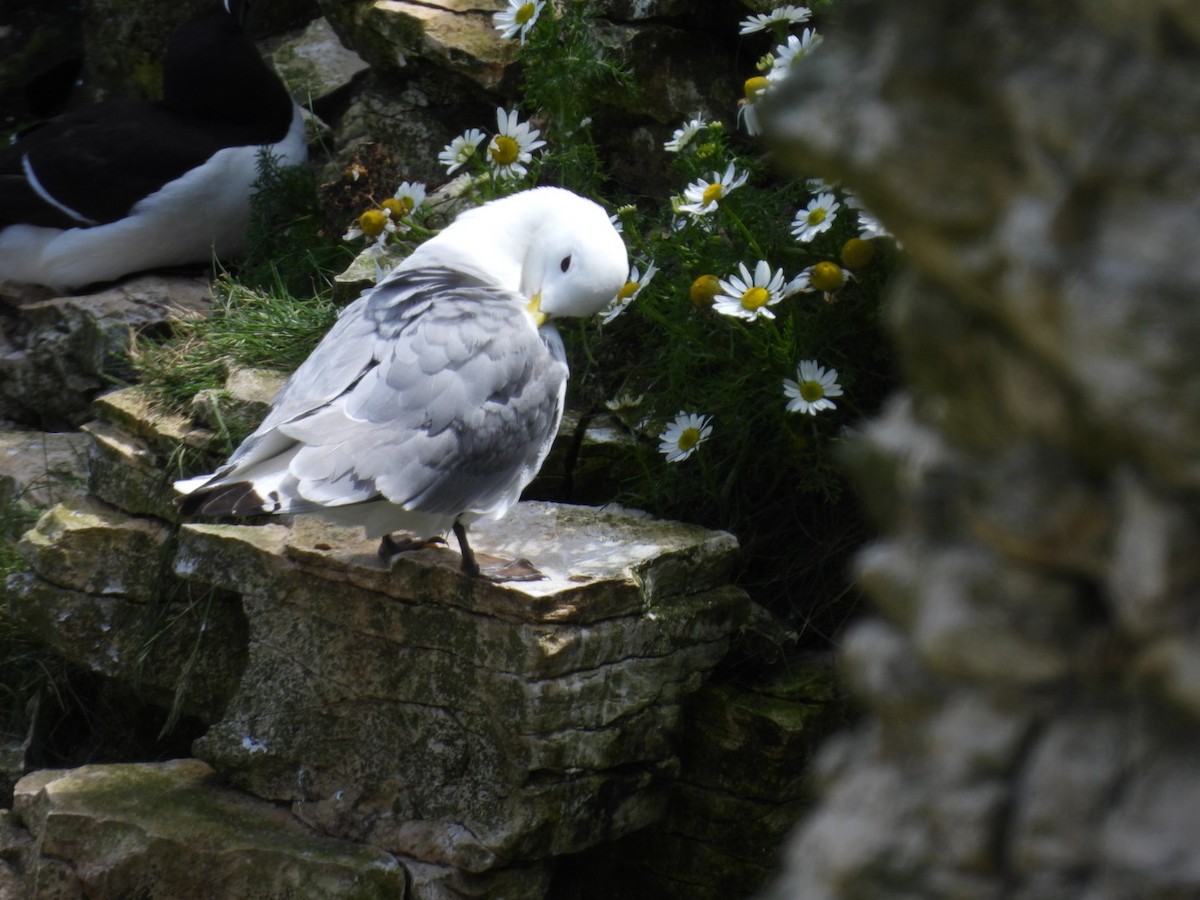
(391, 547)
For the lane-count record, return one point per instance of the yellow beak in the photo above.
(535, 310)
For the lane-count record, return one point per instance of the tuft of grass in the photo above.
(247, 327)
(271, 308)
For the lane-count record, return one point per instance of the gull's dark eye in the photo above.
(565, 264)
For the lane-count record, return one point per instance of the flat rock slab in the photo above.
(462, 723)
(314, 63)
(454, 34)
(172, 830)
(56, 352)
(597, 563)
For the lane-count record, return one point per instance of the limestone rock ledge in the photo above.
(99, 593)
(477, 732)
(172, 830)
(459, 722)
(56, 353)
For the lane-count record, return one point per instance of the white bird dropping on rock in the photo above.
(433, 400)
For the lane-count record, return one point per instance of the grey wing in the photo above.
(454, 414)
(339, 360)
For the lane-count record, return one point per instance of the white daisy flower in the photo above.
(703, 197)
(684, 435)
(750, 297)
(796, 48)
(513, 145)
(624, 402)
(685, 135)
(811, 391)
(784, 15)
(755, 88)
(824, 276)
(460, 150)
(375, 225)
(628, 293)
(407, 199)
(815, 218)
(518, 19)
(869, 227)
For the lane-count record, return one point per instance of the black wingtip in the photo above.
(237, 499)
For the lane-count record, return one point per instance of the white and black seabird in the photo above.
(433, 400)
(123, 186)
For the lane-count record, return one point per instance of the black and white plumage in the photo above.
(435, 397)
(122, 186)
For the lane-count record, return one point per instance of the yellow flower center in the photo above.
(811, 391)
(857, 253)
(827, 276)
(704, 290)
(755, 298)
(504, 150)
(372, 222)
(525, 13)
(629, 290)
(689, 438)
(399, 207)
(712, 194)
(816, 216)
(755, 86)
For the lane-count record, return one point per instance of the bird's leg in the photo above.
(517, 570)
(469, 566)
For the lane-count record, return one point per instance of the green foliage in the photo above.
(566, 72)
(768, 474)
(287, 224)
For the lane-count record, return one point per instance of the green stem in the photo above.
(745, 232)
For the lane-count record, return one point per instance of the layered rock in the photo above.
(173, 830)
(490, 724)
(39, 469)
(741, 789)
(57, 353)
(477, 731)
(1030, 690)
(99, 593)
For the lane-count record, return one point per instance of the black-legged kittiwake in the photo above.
(433, 400)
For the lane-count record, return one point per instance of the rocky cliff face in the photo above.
(1029, 683)
(423, 731)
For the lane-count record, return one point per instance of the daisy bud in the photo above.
(827, 277)
(373, 222)
(704, 291)
(857, 253)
